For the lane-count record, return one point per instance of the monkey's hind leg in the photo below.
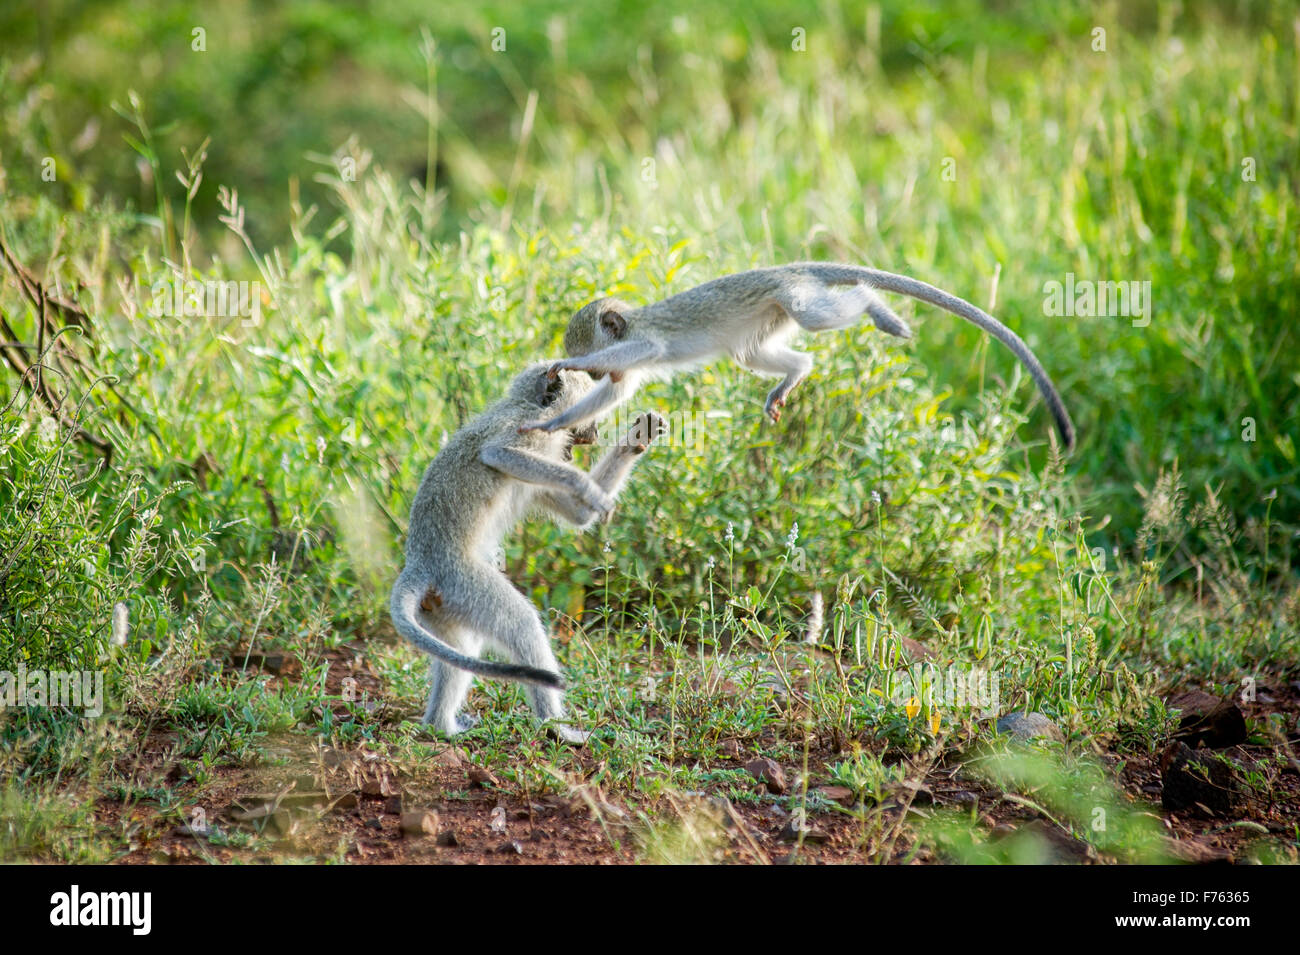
(818, 309)
(777, 359)
(449, 685)
(513, 628)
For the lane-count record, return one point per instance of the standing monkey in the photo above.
(452, 600)
(751, 316)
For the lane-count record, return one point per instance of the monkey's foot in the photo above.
(567, 734)
(466, 722)
(775, 402)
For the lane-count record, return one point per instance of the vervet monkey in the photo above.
(751, 316)
(452, 600)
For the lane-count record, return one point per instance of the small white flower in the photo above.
(712, 563)
(321, 445)
(608, 547)
(731, 531)
(875, 497)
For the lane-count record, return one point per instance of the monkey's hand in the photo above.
(596, 498)
(565, 364)
(644, 430)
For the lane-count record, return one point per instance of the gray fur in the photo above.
(751, 316)
(452, 600)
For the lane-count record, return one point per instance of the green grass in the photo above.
(911, 487)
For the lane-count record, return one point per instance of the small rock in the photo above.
(730, 748)
(1196, 777)
(1060, 846)
(513, 847)
(346, 802)
(921, 794)
(793, 831)
(448, 837)
(963, 798)
(1027, 726)
(482, 777)
(1208, 721)
(840, 794)
(421, 822)
(769, 772)
(393, 805)
(374, 823)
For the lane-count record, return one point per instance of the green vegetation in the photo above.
(264, 458)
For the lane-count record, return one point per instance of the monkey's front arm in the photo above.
(523, 465)
(613, 360)
(610, 472)
(609, 393)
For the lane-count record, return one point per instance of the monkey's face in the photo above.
(596, 325)
(557, 395)
(552, 395)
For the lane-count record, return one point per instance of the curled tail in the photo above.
(902, 285)
(407, 595)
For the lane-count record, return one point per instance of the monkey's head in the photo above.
(596, 325)
(555, 395)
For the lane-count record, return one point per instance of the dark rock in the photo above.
(920, 794)
(769, 772)
(1196, 778)
(962, 798)
(1027, 726)
(1208, 720)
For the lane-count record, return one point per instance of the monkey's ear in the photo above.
(613, 324)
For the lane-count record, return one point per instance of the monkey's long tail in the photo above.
(407, 595)
(902, 285)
